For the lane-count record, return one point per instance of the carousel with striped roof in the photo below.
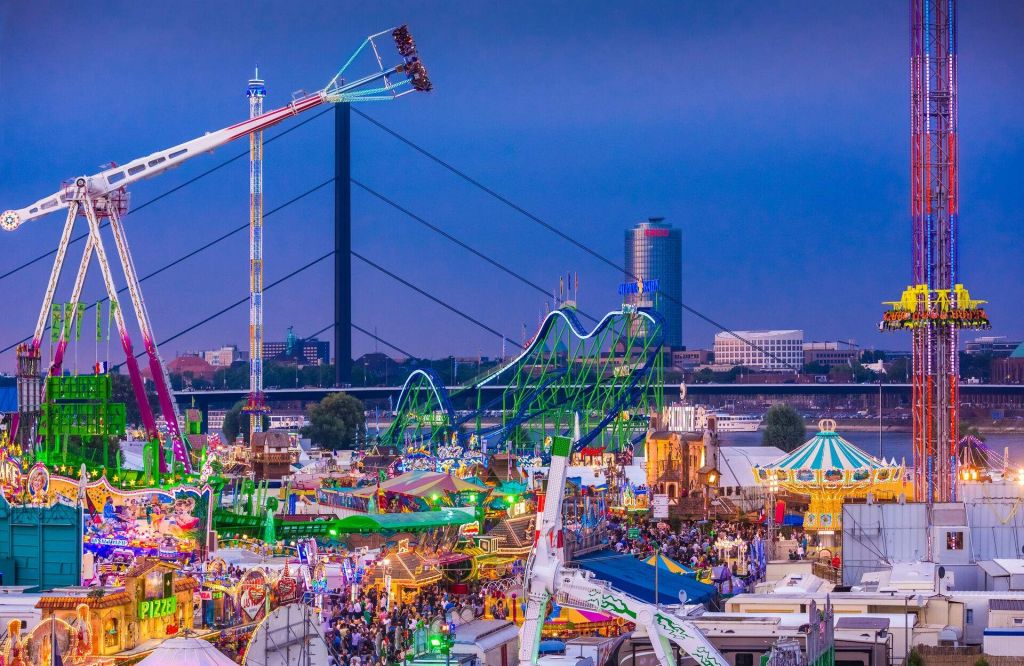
(829, 469)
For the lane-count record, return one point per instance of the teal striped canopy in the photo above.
(827, 451)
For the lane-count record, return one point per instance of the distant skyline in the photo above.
(775, 136)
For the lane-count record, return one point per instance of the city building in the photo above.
(223, 357)
(1010, 369)
(776, 351)
(285, 419)
(687, 359)
(189, 366)
(654, 273)
(831, 354)
(997, 345)
(305, 351)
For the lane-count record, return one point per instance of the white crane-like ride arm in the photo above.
(548, 578)
(338, 90)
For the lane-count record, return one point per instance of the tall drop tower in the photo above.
(936, 305)
(256, 405)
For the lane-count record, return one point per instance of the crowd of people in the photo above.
(694, 543)
(369, 630)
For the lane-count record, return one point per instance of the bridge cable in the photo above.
(307, 266)
(434, 298)
(561, 234)
(478, 253)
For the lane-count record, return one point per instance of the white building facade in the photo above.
(774, 351)
(223, 357)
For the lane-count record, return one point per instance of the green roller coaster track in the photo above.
(611, 376)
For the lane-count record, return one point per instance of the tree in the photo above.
(237, 422)
(784, 428)
(121, 391)
(336, 422)
(814, 368)
(899, 370)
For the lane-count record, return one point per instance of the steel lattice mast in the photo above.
(936, 306)
(256, 405)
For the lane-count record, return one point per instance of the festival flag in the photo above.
(79, 315)
(69, 319)
(99, 320)
(55, 322)
(113, 318)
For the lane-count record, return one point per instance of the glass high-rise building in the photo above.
(654, 251)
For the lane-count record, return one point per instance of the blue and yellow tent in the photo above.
(670, 565)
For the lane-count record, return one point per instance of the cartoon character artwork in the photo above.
(38, 483)
(170, 524)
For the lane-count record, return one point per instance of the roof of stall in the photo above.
(828, 451)
(422, 483)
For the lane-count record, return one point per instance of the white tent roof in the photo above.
(736, 463)
(186, 652)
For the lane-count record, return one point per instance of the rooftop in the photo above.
(776, 333)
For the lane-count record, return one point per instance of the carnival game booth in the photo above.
(154, 603)
(403, 575)
(566, 622)
(829, 469)
(421, 490)
(504, 548)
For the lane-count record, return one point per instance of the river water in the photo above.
(894, 444)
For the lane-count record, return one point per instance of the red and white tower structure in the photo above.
(936, 305)
(256, 405)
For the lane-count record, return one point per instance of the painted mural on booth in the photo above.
(172, 524)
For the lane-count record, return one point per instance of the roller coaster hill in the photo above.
(611, 376)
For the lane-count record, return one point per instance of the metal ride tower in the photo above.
(936, 305)
(256, 405)
(104, 196)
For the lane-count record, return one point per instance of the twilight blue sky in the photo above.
(773, 134)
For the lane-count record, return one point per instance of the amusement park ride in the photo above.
(610, 377)
(936, 306)
(547, 578)
(104, 196)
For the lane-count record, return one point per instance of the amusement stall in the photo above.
(829, 469)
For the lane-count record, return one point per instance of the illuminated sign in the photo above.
(657, 233)
(638, 287)
(158, 608)
(920, 306)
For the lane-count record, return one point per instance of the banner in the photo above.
(55, 322)
(69, 319)
(78, 321)
(99, 320)
(113, 317)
